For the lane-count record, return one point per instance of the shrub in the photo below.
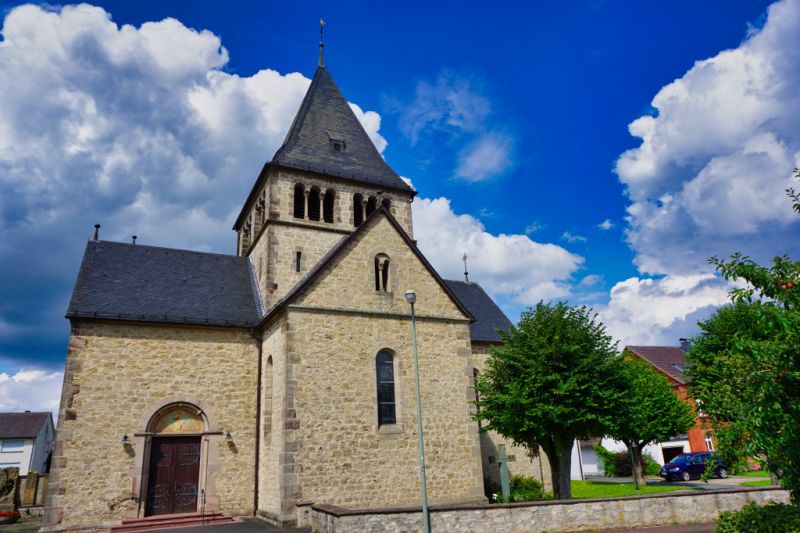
(525, 489)
(606, 458)
(771, 518)
(651, 466)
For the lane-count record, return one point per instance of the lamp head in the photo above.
(125, 439)
(411, 297)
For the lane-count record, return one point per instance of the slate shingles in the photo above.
(153, 284)
(21, 425)
(488, 317)
(325, 115)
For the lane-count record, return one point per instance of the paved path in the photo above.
(252, 525)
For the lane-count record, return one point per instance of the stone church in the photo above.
(256, 383)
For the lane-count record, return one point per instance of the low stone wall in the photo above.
(551, 516)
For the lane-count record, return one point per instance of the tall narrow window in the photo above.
(477, 395)
(371, 205)
(358, 209)
(385, 275)
(313, 203)
(327, 205)
(385, 377)
(297, 257)
(299, 201)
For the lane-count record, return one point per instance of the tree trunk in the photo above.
(559, 455)
(636, 453)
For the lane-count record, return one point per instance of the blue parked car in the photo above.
(691, 466)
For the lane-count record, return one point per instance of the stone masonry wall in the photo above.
(336, 328)
(551, 516)
(519, 462)
(118, 373)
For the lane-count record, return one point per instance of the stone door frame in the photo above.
(139, 449)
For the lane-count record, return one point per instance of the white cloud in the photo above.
(487, 157)
(591, 280)
(606, 225)
(572, 238)
(511, 266)
(660, 311)
(135, 128)
(30, 389)
(710, 173)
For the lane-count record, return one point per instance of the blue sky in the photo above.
(597, 152)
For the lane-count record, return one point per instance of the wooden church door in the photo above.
(174, 473)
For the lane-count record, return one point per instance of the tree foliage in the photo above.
(555, 378)
(649, 411)
(745, 364)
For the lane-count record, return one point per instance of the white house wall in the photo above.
(20, 459)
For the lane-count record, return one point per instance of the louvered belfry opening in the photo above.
(313, 203)
(372, 203)
(299, 201)
(327, 205)
(358, 209)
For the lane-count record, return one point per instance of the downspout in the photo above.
(260, 341)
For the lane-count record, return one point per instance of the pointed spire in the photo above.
(321, 60)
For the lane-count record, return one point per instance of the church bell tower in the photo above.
(320, 185)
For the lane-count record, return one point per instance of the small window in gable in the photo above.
(297, 260)
(382, 273)
(338, 145)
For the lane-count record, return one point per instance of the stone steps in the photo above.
(151, 523)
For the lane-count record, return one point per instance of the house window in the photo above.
(297, 257)
(709, 442)
(358, 209)
(9, 465)
(327, 205)
(299, 201)
(16, 445)
(382, 273)
(313, 203)
(384, 366)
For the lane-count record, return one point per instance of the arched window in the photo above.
(372, 203)
(299, 201)
(382, 273)
(386, 202)
(384, 366)
(358, 209)
(313, 203)
(327, 205)
(268, 400)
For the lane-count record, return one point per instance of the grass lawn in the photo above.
(758, 473)
(598, 489)
(759, 483)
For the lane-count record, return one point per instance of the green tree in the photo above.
(745, 364)
(555, 378)
(649, 411)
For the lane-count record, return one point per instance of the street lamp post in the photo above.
(411, 298)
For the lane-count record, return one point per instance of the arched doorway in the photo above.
(174, 465)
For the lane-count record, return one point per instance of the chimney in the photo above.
(685, 345)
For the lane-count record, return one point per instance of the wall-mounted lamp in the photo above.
(125, 439)
(228, 437)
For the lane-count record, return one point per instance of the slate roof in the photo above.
(323, 116)
(151, 284)
(488, 317)
(668, 359)
(22, 425)
(338, 248)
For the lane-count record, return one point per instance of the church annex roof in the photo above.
(327, 137)
(338, 248)
(488, 317)
(121, 281)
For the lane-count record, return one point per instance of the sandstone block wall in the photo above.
(117, 373)
(519, 462)
(569, 515)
